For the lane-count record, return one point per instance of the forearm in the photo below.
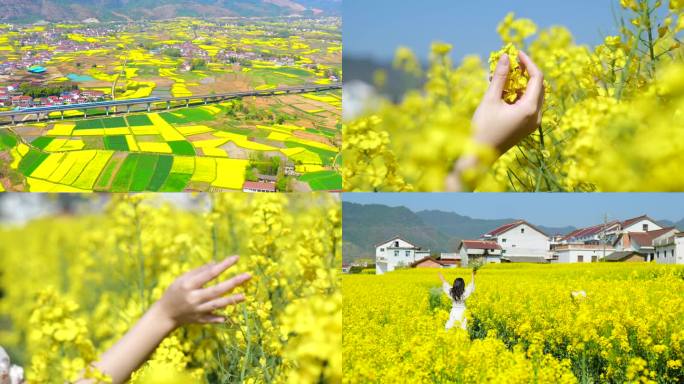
(131, 351)
(454, 182)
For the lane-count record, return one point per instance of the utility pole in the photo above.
(605, 223)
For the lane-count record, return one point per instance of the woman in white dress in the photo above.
(458, 293)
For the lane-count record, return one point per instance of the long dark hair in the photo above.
(458, 288)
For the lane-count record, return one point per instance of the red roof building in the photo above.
(507, 227)
(257, 186)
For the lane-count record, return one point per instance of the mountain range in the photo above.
(365, 225)
(28, 11)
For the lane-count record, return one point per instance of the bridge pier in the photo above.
(85, 113)
(149, 107)
(205, 100)
(62, 114)
(107, 110)
(187, 103)
(38, 117)
(168, 105)
(13, 122)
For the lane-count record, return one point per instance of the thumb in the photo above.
(499, 77)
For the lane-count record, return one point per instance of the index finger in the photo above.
(535, 85)
(206, 275)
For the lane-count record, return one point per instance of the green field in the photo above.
(161, 173)
(116, 143)
(323, 180)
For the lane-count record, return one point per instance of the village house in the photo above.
(480, 251)
(258, 186)
(610, 231)
(397, 252)
(431, 262)
(519, 239)
(267, 178)
(625, 257)
(580, 253)
(643, 242)
(670, 249)
(22, 101)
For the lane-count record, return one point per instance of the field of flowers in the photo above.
(72, 285)
(197, 148)
(524, 326)
(604, 106)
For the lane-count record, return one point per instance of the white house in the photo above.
(643, 242)
(479, 250)
(670, 249)
(580, 253)
(640, 224)
(395, 253)
(519, 239)
(610, 231)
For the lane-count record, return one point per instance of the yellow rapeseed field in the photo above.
(523, 325)
(603, 106)
(73, 285)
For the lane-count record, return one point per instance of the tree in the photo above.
(172, 52)
(198, 64)
(251, 175)
(283, 184)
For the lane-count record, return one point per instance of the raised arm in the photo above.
(471, 287)
(185, 301)
(441, 277)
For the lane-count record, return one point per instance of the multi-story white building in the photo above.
(519, 239)
(610, 231)
(643, 242)
(397, 252)
(580, 253)
(670, 249)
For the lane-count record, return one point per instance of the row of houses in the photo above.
(637, 239)
(11, 96)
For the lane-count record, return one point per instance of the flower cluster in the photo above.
(517, 77)
(524, 325)
(105, 270)
(612, 113)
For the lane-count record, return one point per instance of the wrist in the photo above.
(161, 318)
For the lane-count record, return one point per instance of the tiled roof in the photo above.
(646, 238)
(621, 255)
(509, 226)
(395, 238)
(631, 221)
(590, 231)
(259, 186)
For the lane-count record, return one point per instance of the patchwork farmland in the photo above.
(209, 147)
(284, 142)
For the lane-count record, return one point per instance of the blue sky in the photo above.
(550, 209)
(374, 28)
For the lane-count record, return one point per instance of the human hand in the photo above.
(500, 125)
(186, 301)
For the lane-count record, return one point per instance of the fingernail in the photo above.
(503, 59)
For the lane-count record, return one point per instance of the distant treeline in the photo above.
(35, 91)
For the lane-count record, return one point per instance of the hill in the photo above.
(28, 11)
(364, 226)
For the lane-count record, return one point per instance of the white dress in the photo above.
(458, 306)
